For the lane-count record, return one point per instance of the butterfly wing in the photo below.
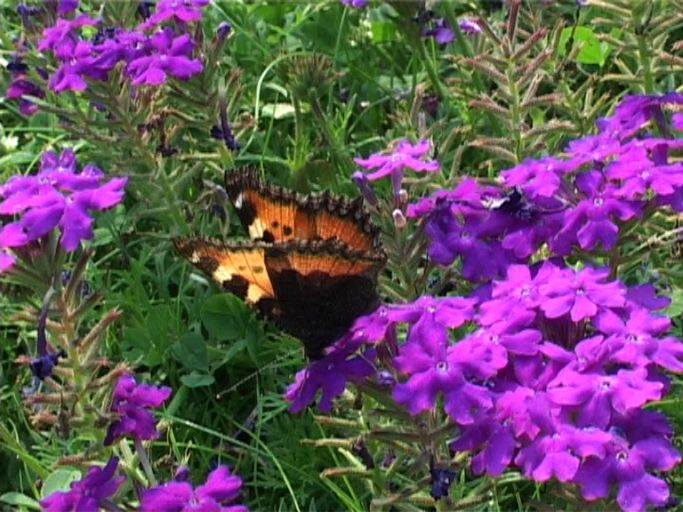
(238, 268)
(321, 288)
(274, 214)
(313, 290)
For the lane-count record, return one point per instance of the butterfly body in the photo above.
(311, 266)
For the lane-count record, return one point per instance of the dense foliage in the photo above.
(524, 162)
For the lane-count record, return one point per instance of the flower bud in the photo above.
(399, 217)
(363, 184)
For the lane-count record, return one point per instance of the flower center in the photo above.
(598, 201)
(442, 366)
(622, 456)
(605, 385)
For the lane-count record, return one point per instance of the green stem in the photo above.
(144, 461)
(646, 64)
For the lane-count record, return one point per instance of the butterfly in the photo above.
(311, 263)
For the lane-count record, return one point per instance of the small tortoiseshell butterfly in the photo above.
(311, 265)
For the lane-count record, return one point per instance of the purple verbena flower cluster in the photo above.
(60, 195)
(550, 374)
(95, 490)
(441, 30)
(131, 405)
(22, 86)
(92, 492)
(146, 58)
(404, 156)
(356, 4)
(580, 200)
(218, 493)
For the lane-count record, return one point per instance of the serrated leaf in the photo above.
(16, 499)
(59, 480)
(197, 380)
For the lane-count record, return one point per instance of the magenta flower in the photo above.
(90, 493)
(440, 30)
(330, 375)
(56, 196)
(167, 54)
(220, 489)
(6, 260)
(21, 87)
(627, 466)
(132, 404)
(62, 37)
(405, 156)
(67, 6)
(356, 4)
(181, 11)
(595, 396)
(559, 454)
(581, 294)
(469, 26)
(542, 177)
(433, 367)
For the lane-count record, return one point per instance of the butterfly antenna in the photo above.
(252, 375)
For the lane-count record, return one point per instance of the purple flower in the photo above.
(541, 177)
(596, 395)
(56, 196)
(434, 367)
(592, 219)
(559, 454)
(469, 26)
(21, 87)
(581, 294)
(221, 488)
(627, 467)
(182, 11)
(67, 6)
(166, 54)
(639, 174)
(89, 493)
(440, 30)
(6, 260)
(330, 375)
(131, 403)
(405, 156)
(62, 37)
(356, 4)
(363, 184)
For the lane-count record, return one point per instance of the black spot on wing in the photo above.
(237, 285)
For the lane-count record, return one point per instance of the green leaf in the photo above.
(191, 352)
(676, 307)
(593, 51)
(59, 480)
(150, 338)
(277, 110)
(16, 499)
(383, 31)
(225, 317)
(197, 380)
